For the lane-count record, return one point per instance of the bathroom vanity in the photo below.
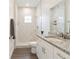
(54, 41)
(52, 48)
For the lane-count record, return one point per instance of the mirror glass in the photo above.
(55, 18)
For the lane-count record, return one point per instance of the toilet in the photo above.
(33, 47)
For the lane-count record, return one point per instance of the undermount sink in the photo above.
(61, 42)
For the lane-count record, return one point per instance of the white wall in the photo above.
(67, 14)
(42, 16)
(16, 17)
(38, 19)
(11, 8)
(11, 15)
(45, 17)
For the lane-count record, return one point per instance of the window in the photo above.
(27, 19)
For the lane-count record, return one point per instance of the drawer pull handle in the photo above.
(61, 56)
(44, 50)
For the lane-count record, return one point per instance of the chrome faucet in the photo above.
(64, 35)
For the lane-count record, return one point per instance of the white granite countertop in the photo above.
(64, 44)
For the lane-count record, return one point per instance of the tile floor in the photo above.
(23, 53)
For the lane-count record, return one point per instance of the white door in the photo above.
(26, 25)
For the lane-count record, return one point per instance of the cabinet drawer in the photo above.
(58, 54)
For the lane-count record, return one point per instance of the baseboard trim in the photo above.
(26, 46)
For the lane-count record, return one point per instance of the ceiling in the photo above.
(27, 3)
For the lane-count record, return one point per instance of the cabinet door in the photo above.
(47, 50)
(11, 47)
(58, 54)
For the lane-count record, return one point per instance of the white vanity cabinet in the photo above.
(58, 54)
(47, 51)
(44, 50)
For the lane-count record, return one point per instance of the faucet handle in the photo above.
(61, 34)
